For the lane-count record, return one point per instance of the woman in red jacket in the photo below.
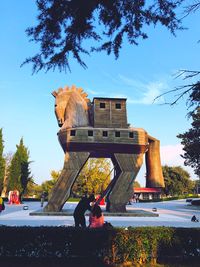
(96, 218)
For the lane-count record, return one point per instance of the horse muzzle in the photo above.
(60, 122)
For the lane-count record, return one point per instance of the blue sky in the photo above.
(140, 74)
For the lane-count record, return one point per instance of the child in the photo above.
(96, 218)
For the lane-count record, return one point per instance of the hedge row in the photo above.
(111, 246)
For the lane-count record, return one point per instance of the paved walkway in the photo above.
(175, 213)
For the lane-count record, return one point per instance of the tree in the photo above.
(2, 161)
(193, 88)
(191, 138)
(33, 190)
(94, 177)
(136, 184)
(192, 91)
(25, 176)
(19, 173)
(177, 181)
(65, 27)
(191, 143)
(197, 186)
(8, 159)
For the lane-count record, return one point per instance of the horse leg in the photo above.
(74, 161)
(154, 175)
(123, 189)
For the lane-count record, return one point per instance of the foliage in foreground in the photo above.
(113, 246)
(69, 29)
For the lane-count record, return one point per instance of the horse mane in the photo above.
(77, 106)
(73, 88)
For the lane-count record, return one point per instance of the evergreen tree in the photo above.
(19, 173)
(2, 161)
(191, 143)
(25, 176)
(8, 159)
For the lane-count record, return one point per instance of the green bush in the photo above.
(138, 245)
(195, 202)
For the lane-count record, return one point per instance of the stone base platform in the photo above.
(133, 213)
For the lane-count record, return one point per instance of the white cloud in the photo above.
(133, 83)
(146, 97)
(93, 92)
(170, 155)
(146, 92)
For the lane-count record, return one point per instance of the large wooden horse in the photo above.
(80, 139)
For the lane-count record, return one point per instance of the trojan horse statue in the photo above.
(100, 129)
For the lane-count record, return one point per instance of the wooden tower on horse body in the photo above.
(100, 129)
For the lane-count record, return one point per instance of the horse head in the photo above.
(71, 107)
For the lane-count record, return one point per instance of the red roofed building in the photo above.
(147, 193)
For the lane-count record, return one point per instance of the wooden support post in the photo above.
(154, 175)
(74, 161)
(123, 189)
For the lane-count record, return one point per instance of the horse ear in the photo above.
(80, 90)
(84, 95)
(73, 88)
(54, 93)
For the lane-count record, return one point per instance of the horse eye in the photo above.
(55, 105)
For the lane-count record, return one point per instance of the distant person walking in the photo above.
(79, 212)
(42, 199)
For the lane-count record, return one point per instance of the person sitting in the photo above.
(194, 219)
(96, 218)
(79, 212)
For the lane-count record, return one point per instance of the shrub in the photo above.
(195, 202)
(138, 245)
(113, 246)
